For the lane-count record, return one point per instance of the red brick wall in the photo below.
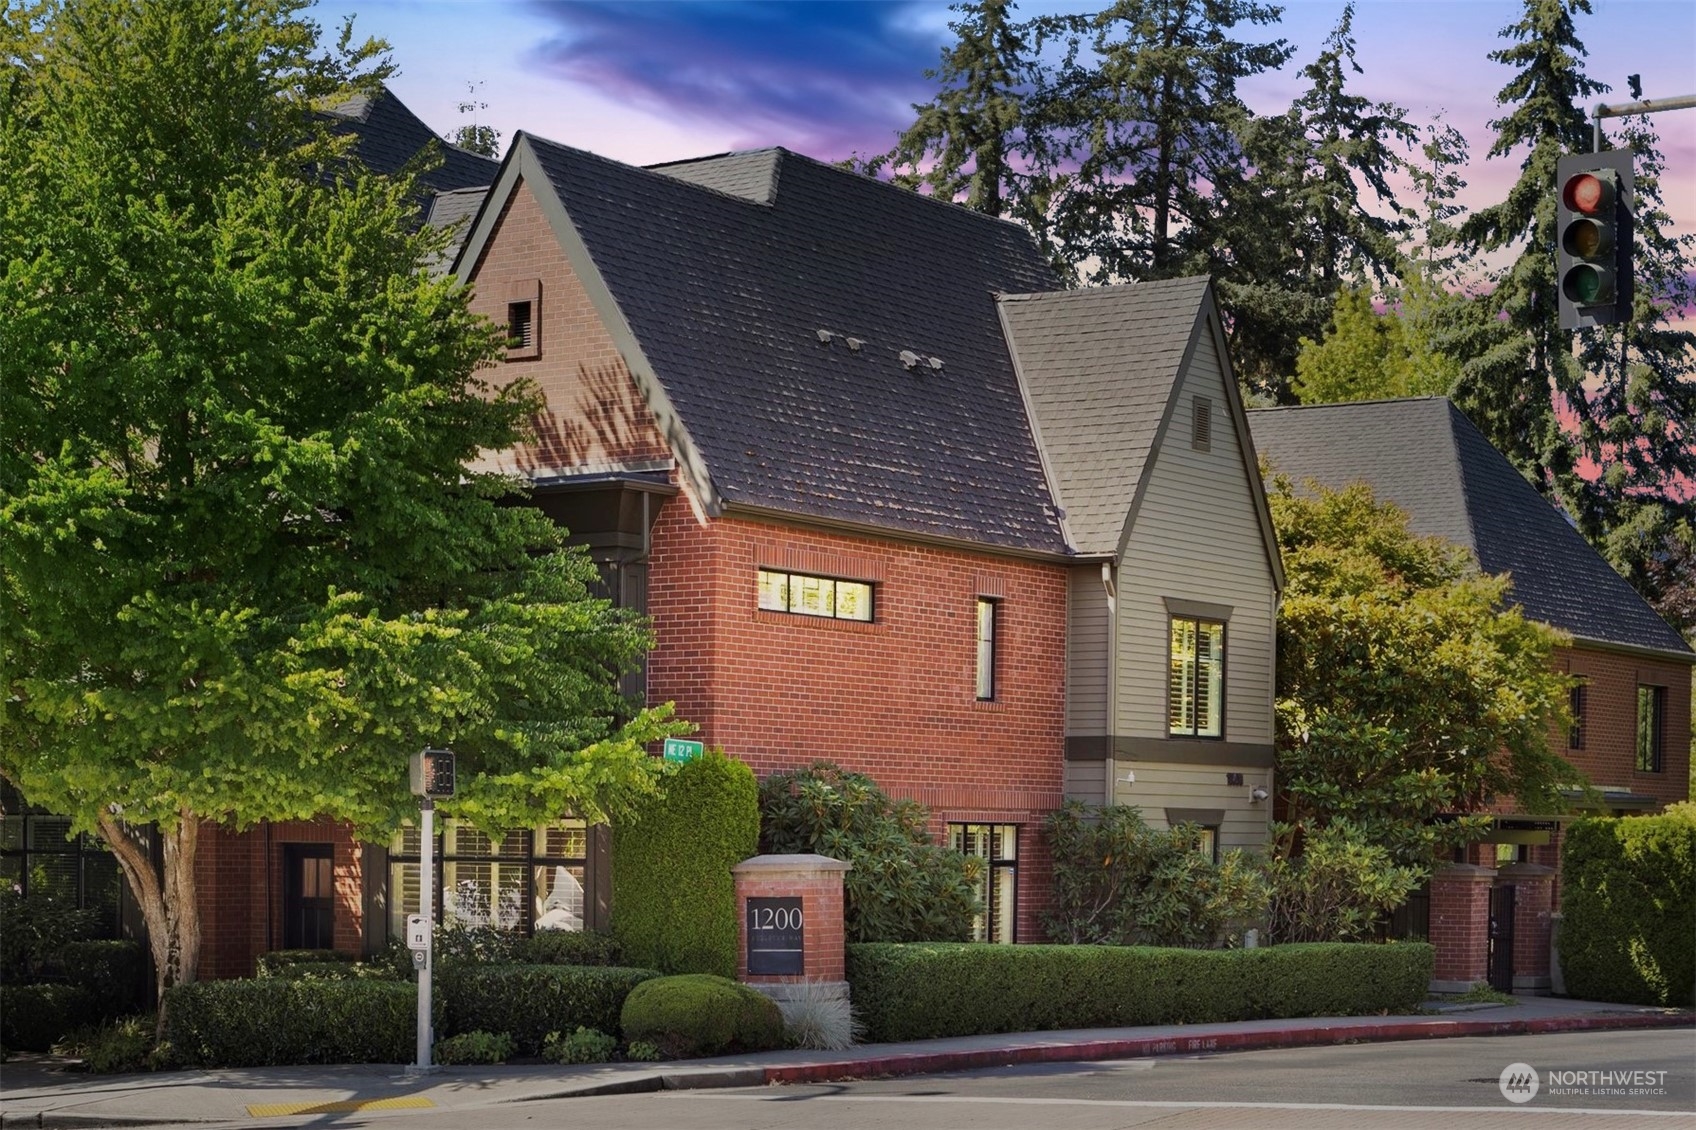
(594, 415)
(1609, 756)
(1460, 923)
(822, 931)
(896, 698)
(236, 884)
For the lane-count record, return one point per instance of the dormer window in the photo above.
(523, 319)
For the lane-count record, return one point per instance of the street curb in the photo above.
(924, 1063)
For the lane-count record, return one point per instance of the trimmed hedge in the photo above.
(529, 1001)
(279, 1021)
(673, 896)
(35, 1017)
(1628, 909)
(110, 969)
(935, 989)
(698, 1014)
(569, 947)
(304, 963)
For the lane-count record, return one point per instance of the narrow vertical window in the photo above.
(1651, 727)
(1196, 691)
(997, 845)
(986, 649)
(1577, 702)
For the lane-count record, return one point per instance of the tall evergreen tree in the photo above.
(1512, 383)
(1640, 387)
(1143, 112)
(965, 142)
(1300, 226)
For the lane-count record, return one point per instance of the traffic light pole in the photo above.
(1643, 106)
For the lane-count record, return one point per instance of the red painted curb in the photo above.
(924, 1063)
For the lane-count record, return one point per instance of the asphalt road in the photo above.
(1431, 1083)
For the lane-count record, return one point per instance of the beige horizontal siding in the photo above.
(1160, 786)
(1086, 653)
(1086, 781)
(1197, 537)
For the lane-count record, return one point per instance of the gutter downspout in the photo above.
(1110, 670)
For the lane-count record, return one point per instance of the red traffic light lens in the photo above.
(1586, 193)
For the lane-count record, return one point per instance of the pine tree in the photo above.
(1508, 377)
(1640, 388)
(1143, 115)
(965, 142)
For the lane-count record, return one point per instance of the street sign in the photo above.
(679, 750)
(417, 933)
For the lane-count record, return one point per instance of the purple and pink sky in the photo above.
(664, 80)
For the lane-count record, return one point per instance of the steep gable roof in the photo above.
(388, 135)
(1424, 455)
(764, 303)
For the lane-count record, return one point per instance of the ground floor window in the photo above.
(529, 879)
(39, 858)
(998, 846)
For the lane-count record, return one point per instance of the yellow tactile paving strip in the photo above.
(349, 1106)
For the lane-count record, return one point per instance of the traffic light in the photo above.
(432, 773)
(1593, 235)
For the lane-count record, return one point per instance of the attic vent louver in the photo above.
(1201, 423)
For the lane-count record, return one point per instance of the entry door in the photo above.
(309, 903)
(1501, 937)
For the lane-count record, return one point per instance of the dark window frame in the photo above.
(1577, 704)
(988, 649)
(1651, 738)
(789, 608)
(527, 859)
(85, 849)
(1224, 626)
(994, 866)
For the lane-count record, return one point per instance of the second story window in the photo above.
(1651, 727)
(1577, 702)
(1196, 693)
(986, 648)
(806, 595)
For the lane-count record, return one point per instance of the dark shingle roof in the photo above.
(727, 297)
(389, 135)
(453, 210)
(1099, 366)
(1428, 458)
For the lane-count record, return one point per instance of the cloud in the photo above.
(826, 79)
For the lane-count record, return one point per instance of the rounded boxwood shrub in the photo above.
(673, 895)
(699, 1014)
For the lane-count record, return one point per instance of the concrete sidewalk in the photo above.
(41, 1092)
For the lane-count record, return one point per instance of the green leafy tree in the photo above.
(1406, 686)
(1337, 887)
(485, 141)
(1507, 377)
(1367, 355)
(246, 567)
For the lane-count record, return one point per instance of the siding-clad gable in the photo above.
(1197, 536)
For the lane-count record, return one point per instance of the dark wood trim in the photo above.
(1169, 751)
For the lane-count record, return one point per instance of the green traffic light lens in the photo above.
(1583, 284)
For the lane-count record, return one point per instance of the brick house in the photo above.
(1631, 707)
(889, 496)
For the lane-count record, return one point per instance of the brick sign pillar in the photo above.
(1460, 926)
(1532, 922)
(790, 912)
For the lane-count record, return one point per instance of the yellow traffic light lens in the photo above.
(1586, 239)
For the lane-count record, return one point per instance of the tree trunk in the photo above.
(169, 902)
